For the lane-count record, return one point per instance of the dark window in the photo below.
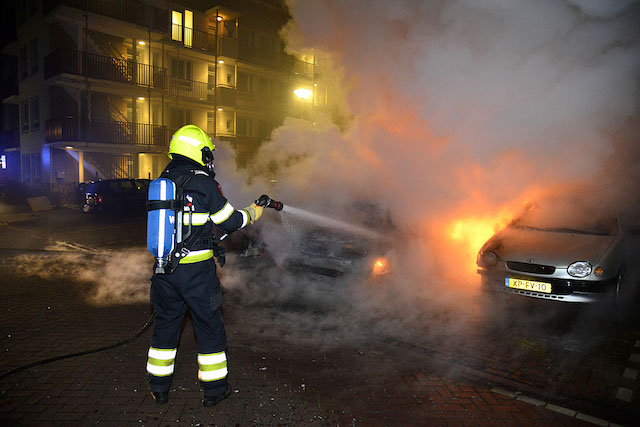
(265, 43)
(283, 89)
(244, 82)
(264, 86)
(181, 69)
(32, 6)
(210, 122)
(24, 116)
(263, 129)
(21, 14)
(35, 167)
(179, 117)
(246, 37)
(34, 108)
(34, 59)
(244, 126)
(23, 60)
(26, 168)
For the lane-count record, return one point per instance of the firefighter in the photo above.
(194, 283)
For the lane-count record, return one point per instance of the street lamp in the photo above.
(302, 93)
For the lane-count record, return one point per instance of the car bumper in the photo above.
(564, 290)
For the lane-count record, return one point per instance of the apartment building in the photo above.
(103, 84)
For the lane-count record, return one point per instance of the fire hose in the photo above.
(82, 353)
(264, 201)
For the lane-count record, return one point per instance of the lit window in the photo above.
(188, 28)
(176, 26)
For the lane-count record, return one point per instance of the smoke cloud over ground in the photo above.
(111, 277)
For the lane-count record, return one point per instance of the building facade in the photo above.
(103, 84)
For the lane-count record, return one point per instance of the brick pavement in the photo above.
(275, 381)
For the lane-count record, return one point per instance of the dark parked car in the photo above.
(115, 197)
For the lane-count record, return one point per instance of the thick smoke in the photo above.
(458, 100)
(456, 110)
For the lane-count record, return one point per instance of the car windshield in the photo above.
(567, 216)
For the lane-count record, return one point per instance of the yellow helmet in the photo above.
(192, 142)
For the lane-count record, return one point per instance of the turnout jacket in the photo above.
(207, 205)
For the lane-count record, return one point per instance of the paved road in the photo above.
(297, 355)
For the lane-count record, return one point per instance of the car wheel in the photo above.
(623, 296)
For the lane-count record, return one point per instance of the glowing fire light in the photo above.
(472, 233)
(380, 267)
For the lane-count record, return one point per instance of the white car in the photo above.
(562, 250)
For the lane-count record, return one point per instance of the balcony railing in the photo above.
(194, 39)
(103, 68)
(272, 59)
(132, 11)
(71, 129)
(190, 89)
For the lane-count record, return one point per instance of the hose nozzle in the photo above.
(267, 202)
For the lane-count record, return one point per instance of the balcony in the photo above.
(190, 89)
(263, 57)
(103, 68)
(203, 41)
(124, 10)
(194, 39)
(72, 129)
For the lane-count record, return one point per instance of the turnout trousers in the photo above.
(197, 287)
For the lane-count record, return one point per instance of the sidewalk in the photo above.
(275, 381)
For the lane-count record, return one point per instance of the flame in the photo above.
(472, 232)
(380, 267)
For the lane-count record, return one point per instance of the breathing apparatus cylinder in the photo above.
(161, 220)
(267, 202)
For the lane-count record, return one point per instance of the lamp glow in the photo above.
(302, 93)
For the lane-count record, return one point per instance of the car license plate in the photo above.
(528, 285)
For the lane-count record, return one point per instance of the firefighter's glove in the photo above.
(254, 211)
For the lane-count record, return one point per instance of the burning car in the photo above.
(335, 250)
(337, 254)
(561, 250)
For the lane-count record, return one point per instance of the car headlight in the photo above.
(487, 259)
(380, 267)
(579, 269)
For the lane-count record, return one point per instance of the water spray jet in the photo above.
(328, 222)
